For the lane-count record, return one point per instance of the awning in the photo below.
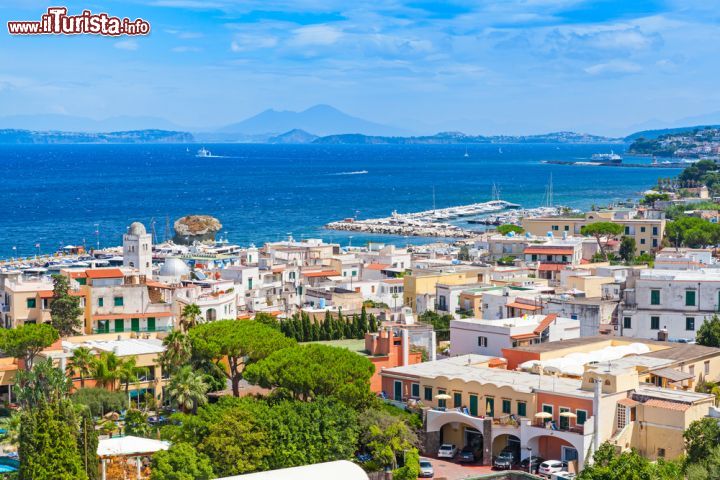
(129, 446)
(549, 251)
(672, 374)
(524, 306)
(552, 267)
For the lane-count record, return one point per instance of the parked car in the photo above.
(505, 460)
(536, 461)
(467, 455)
(548, 467)
(426, 468)
(447, 450)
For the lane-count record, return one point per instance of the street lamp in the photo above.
(529, 459)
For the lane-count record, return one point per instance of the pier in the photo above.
(428, 223)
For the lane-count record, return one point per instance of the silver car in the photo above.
(426, 468)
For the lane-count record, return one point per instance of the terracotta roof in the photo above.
(78, 274)
(321, 273)
(153, 283)
(105, 273)
(545, 323)
(524, 336)
(523, 306)
(681, 407)
(497, 362)
(46, 293)
(278, 269)
(377, 266)
(552, 267)
(550, 250)
(628, 402)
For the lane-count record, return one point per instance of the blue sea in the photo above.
(55, 195)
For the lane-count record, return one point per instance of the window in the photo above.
(707, 367)
(690, 298)
(654, 243)
(654, 323)
(482, 342)
(691, 370)
(428, 393)
(581, 417)
(533, 257)
(642, 229)
(151, 324)
(31, 303)
(548, 409)
(250, 283)
(415, 390)
(555, 228)
(489, 406)
(690, 323)
(564, 421)
(457, 399)
(354, 273)
(521, 409)
(621, 417)
(564, 258)
(134, 324)
(627, 322)
(101, 301)
(655, 230)
(654, 297)
(118, 301)
(642, 241)
(627, 230)
(567, 228)
(661, 453)
(506, 406)
(119, 325)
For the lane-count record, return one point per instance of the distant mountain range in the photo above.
(53, 137)
(653, 134)
(445, 138)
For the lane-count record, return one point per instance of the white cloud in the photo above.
(316, 35)
(613, 66)
(247, 42)
(129, 45)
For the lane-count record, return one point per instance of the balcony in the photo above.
(137, 330)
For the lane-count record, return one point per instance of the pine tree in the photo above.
(87, 445)
(327, 326)
(363, 321)
(373, 323)
(307, 327)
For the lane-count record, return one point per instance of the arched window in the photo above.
(211, 314)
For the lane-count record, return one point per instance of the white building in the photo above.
(489, 337)
(137, 249)
(676, 302)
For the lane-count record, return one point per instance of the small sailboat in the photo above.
(466, 153)
(500, 150)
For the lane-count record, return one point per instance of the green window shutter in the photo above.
(428, 394)
(690, 298)
(581, 417)
(457, 399)
(442, 403)
(506, 406)
(118, 301)
(473, 405)
(654, 323)
(627, 322)
(564, 421)
(101, 301)
(522, 409)
(119, 325)
(415, 389)
(31, 303)
(135, 324)
(151, 324)
(654, 297)
(690, 323)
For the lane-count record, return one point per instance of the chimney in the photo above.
(663, 334)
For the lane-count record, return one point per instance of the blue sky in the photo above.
(513, 66)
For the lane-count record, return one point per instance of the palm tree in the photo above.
(177, 351)
(127, 373)
(11, 425)
(187, 389)
(189, 316)
(81, 364)
(105, 369)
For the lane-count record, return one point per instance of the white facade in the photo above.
(670, 300)
(137, 249)
(489, 337)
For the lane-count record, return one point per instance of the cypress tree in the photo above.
(88, 444)
(327, 326)
(363, 321)
(373, 323)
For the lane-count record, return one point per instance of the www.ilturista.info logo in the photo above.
(57, 22)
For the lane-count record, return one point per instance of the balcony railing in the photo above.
(135, 330)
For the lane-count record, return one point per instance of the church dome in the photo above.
(137, 228)
(174, 267)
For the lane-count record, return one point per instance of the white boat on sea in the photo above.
(203, 153)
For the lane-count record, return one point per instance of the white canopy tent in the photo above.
(128, 446)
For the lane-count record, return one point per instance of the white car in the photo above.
(447, 450)
(548, 467)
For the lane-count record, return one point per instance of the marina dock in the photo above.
(428, 223)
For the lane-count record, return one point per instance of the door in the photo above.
(564, 421)
(119, 325)
(489, 407)
(457, 399)
(397, 393)
(473, 405)
(569, 454)
(151, 324)
(548, 409)
(135, 324)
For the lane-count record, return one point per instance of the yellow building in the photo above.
(423, 283)
(648, 233)
(24, 300)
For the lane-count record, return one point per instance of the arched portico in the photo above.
(506, 440)
(458, 428)
(554, 447)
